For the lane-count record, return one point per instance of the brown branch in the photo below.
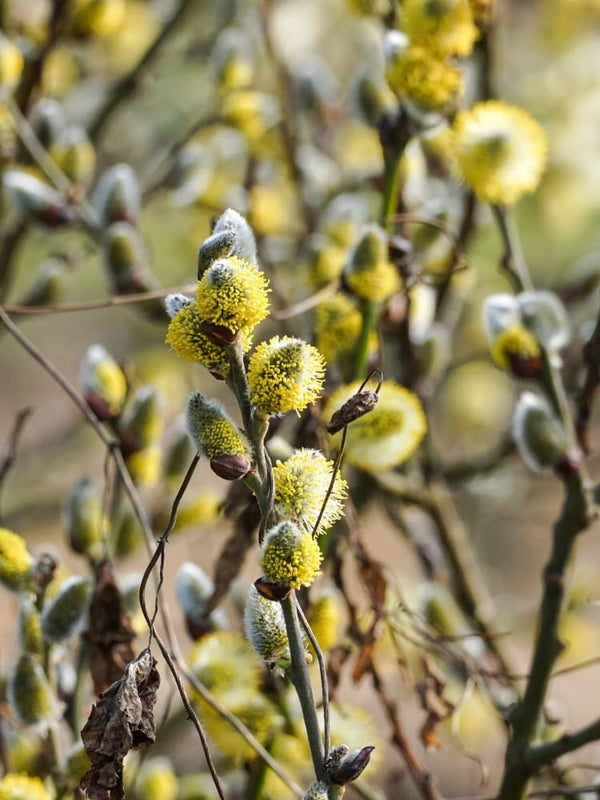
(9, 454)
(93, 305)
(587, 396)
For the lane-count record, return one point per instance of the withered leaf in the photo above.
(357, 406)
(109, 632)
(122, 720)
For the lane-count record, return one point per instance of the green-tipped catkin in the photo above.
(117, 195)
(142, 421)
(126, 259)
(15, 561)
(217, 438)
(156, 780)
(545, 316)
(32, 198)
(231, 236)
(22, 787)
(290, 557)
(48, 284)
(75, 155)
(64, 615)
(368, 272)
(179, 455)
(264, 625)
(103, 383)
(29, 692)
(193, 587)
(127, 533)
(30, 627)
(82, 518)
(47, 118)
(540, 437)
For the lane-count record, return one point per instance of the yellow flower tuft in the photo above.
(514, 342)
(326, 261)
(15, 561)
(443, 26)
(142, 420)
(223, 661)
(337, 326)
(389, 434)
(186, 338)
(500, 151)
(290, 557)
(11, 63)
(156, 780)
(22, 787)
(103, 382)
(324, 620)
(368, 273)
(97, 17)
(285, 374)
(429, 81)
(247, 111)
(144, 465)
(301, 483)
(252, 708)
(233, 293)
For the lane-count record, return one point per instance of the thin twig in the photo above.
(93, 305)
(323, 675)
(9, 454)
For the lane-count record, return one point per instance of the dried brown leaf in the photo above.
(122, 720)
(109, 632)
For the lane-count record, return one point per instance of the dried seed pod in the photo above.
(357, 406)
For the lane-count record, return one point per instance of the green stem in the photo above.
(513, 259)
(574, 517)
(74, 713)
(370, 314)
(299, 676)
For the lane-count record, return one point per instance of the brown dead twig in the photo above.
(9, 452)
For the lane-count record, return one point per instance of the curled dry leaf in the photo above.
(122, 720)
(109, 632)
(438, 708)
(357, 406)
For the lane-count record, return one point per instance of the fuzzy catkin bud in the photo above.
(368, 273)
(264, 626)
(231, 236)
(193, 588)
(216, 437)
(15, 561)
(48, 284)
(32, 198)
(544, 315)
(64, 616)
(316, 791)
(29, 693)
(82, 518)
(47, 118)
(142, 421)
(290, 557)
(117, 195)
(75, 155)
(103, 382)
(540, 437)
(30, 627)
